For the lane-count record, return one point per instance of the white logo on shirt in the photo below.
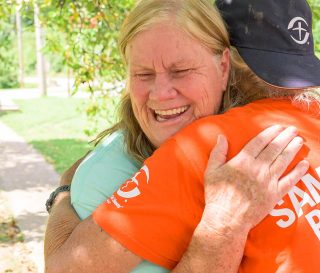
(296, 25)
(135, 191)
(299, 199)
(130, 188)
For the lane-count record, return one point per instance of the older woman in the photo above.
(167, 92)
(227, 217)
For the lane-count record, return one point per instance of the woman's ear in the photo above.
(225, 67)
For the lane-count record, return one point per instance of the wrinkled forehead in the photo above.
(166, 45)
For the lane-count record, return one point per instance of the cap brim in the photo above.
(281, 69)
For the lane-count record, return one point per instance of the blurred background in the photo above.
(61, 77)
(57, 48)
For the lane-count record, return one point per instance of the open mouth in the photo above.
(164, 115)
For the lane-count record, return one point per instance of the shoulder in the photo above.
(111, 151)
(102, 172)
(238, 118)
(239, 125)
(107, 156)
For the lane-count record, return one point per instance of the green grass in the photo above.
(61, 152)
(54, 126)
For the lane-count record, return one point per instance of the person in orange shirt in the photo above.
(229, 231)
(159, 222)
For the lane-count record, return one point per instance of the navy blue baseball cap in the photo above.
(274, 37)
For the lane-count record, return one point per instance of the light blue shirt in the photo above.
(99, 175)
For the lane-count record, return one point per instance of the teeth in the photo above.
(171, 111)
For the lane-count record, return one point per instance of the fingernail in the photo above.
(293, 129)
(305, 163)
(299, 140)
(278, 127)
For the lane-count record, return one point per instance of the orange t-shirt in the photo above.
(155, 213)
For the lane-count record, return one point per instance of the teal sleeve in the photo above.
(98, 176)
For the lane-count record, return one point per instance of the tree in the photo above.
(315, 6)
(41, 65)
(8, 56)
(85, 34)
(20, 44)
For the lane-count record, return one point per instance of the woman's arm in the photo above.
(234, 207)
(90, 248)
(82, 246)
(61, 222)
(75, 246)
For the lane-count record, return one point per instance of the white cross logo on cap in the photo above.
(300, 29)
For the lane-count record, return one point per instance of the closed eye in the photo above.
(181, 72)
(144, 76)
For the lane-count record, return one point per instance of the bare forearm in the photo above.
(74, 246)
(215, 247)
(61, 223)
(248, 185)
(224, 254)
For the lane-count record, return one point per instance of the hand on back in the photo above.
(241, 192)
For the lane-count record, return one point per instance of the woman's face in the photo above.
(174, 80)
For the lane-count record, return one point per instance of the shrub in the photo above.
(8, 56)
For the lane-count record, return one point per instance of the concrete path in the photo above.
(26, 180)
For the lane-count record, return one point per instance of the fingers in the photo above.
(256, 145)
(278, 145)
(287, 182)
(286, 156)
(218, 154)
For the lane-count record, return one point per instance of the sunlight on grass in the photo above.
(47, 118)
(61, 152)
(54, 126)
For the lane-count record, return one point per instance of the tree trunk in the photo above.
(40, 58)
(20, 46)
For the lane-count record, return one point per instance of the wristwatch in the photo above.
(54, 194)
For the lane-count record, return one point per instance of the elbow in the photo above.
(53, 266)
(60, 262)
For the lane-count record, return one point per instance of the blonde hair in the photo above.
(201, 20)
(198, 18)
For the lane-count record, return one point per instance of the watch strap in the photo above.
(54, 194)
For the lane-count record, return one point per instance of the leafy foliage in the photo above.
(315, 6)
(8, 59)
(81, 39)
(6, 8)
(85, 34)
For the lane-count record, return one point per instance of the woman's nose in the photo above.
(162, 88)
